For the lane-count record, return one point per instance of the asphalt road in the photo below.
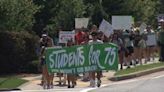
(148, 83)
(155, 84)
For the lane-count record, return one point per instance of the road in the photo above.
(151, 84)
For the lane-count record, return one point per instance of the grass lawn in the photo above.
(138, 68)
(10, 82)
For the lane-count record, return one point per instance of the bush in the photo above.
(17, 51)
(33, 67)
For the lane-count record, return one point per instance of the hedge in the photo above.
(17, 51)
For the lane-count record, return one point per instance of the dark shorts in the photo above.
(130, 51)
(151, 46)
(122, 50)
(43, 62)
(136, 44)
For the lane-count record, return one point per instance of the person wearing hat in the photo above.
(47, 79)
(161, 41)
(95, 40)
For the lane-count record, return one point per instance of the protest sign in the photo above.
(122, 22)
(142, 28)
(81, 22)
(151, 40)
(106, 28)
(64, 36)
(79, 59)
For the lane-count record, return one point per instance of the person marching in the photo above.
(142, 48)
(118, 41)
(129, 47)
(137, 48)
(150, 46)
(47, 79)
(71, 78)
(92, 73)
(161, 41)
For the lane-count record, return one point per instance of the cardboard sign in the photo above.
(122, 22)
(64, 36)
(106, 28)
(151, 40)
(142, 28)
(81, 22)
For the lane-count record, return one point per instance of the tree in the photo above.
(142, 10)
(17, 14)
(58, 13)
(161, 7)
(61, 13)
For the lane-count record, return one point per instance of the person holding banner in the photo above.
(47, 79)
(79, 37)
(85, 42)
(93, 29)
(71, 78)
(92, 73)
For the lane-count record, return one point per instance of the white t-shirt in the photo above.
(95, 42)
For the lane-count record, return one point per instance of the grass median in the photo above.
(139, 69)
(11, 82)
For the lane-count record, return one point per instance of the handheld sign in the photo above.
(151, 40)
(81, 22)
(106, 28)
(64, 36)
(122, 22)
(79, 59)
(142, 28)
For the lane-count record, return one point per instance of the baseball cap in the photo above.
(43, 35)
(161, 20)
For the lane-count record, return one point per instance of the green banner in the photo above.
(84, 58)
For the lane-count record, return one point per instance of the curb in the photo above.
(137, 74)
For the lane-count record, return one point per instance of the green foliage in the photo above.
(17, 14)
(58, 13)
(66, 12)
(61, 13)
(142, 10)
(17, 51)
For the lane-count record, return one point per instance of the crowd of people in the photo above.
(133, 49)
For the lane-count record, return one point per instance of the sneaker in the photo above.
(69, 86)
(48, 87)
(73, 86)
(44, 85)
(98, 83)
(92, 83)
(60, 83)
(51, 86)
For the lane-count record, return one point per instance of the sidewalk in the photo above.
(34, 82)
